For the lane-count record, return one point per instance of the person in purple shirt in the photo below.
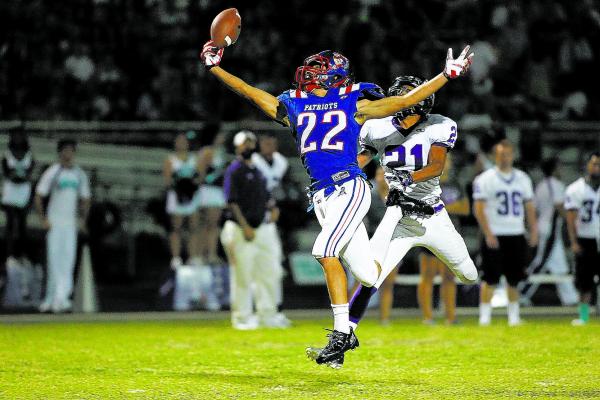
(246, 240)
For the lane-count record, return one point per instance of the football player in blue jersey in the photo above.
(325, 111)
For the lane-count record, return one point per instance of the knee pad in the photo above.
(367, 276)
(467, 272)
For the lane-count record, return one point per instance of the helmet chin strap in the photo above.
(410, 121)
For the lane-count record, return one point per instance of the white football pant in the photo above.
(436, 233)
(253, 265)
(343, 232)
(61, 251)
(277, 249)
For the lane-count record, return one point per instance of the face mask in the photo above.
(247, 154)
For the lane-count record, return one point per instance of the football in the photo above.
(225, 28)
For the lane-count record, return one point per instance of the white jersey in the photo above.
(549, 193)
(505, 196)
(273, 171)
(64, 186)
(411, 152)
(581, 197)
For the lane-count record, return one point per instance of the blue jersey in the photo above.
(326, 132)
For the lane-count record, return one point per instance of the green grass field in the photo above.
(547, 358)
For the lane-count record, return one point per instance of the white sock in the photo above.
(341, 315)
(513, 313)
(485, 313)
(353, 325)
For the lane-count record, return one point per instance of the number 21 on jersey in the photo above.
(310, 119)
(397, 157)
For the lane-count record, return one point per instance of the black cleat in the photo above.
(333, 352)
(313, 353)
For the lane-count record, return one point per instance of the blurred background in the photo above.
(122, 78)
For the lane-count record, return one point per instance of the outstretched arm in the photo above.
(390, 105)
(264, 101)
(267, 103)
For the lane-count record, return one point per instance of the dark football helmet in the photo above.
(327, 69)
(404, 84)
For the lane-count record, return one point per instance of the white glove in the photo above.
(457, 67)
(393, 182)
(211, 55)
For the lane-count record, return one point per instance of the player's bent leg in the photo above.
(360, 299)
(340, 214)
(446, 243)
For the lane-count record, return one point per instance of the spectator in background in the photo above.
(582, 203)
(551, 256)
(211, 201)
(503, 199)
(62, 200)
(17, 166)
(457, 204)
(273, 166)
(181, 175)
(247, 242)
(79, 65)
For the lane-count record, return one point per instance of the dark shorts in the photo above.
(510, 259)
(587, 265)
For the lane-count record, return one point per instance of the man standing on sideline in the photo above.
(273, 165)
(246, 240)
(62, 198)
(583, 224)
(551, 256)
(503, 201)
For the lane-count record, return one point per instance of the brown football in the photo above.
(225, 28)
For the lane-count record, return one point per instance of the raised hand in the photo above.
(211, 55)
(459, 66)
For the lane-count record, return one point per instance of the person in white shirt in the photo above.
(66, 189)
(503, 200)
(551, 255)
(273, 165)
(582, 203)
(17, 166)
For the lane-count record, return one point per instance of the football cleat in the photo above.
(313, 353)
(339, 343)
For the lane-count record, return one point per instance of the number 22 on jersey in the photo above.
(310, 119)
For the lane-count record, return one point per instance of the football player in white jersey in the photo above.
(583, 224)
(503, 200)
(412, 146)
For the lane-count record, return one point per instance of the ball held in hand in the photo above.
(225, 28)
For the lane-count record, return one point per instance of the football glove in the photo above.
(408, 205)
(459, 66)
(399, 180)
(211, 55)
